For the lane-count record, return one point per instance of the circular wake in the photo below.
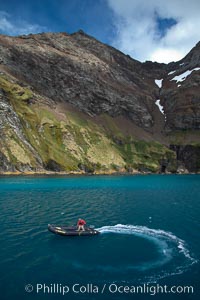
(169, 246)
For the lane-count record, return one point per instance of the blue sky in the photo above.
(157, 30)
(93, 16)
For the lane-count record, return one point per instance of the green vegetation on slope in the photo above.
(75, 142)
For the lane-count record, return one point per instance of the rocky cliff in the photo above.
(71, 103)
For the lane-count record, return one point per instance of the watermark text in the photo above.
(111, 288)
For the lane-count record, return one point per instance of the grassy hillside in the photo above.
(62, 139)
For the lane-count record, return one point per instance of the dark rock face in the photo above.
(5, 165)
(181, 97)
(98, 79)
(52, 165)
(189, 155)
(11, 128)
(84, 72)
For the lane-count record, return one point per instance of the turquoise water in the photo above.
(149, 235)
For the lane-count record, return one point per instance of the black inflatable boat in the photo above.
(71, 230)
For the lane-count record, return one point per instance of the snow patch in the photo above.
(171, 72)
(181, 64)
(158, 82)
(184, 75)
(160, 106)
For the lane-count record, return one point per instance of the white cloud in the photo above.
(166, 55)
(11, 26)
(137, 31)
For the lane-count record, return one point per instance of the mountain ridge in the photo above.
(78, 96)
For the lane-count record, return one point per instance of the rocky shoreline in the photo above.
(80, 173)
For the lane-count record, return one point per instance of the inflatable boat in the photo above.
(71, 230)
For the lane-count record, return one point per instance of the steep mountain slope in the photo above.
(180, 93)
(60, 67)
(71, 103)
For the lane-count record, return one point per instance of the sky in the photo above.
(156, 30)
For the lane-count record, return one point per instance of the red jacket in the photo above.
(81, 222)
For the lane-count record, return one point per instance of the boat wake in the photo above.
(171, 249)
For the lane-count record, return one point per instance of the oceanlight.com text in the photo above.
(111, 288)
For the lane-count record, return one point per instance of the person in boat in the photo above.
(80, 224)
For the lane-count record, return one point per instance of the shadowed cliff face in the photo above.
(188, 156)
(80, 70)
(69, 102)
(180, 93)
(98, 79)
